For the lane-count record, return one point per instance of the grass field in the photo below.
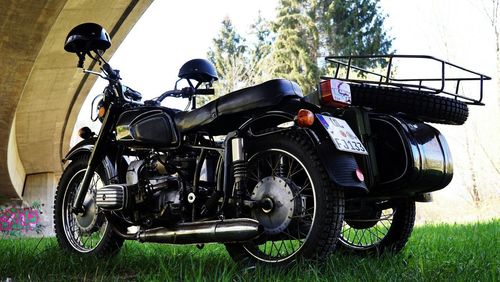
(434, 253)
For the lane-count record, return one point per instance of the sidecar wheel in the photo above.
(302, 214)
(386, 229)
(88, 233)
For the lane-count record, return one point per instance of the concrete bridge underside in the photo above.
(41, 90)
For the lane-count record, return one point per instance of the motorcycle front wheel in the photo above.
(87, 233)
(384, 226)
(300, 208)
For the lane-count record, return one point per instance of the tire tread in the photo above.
(418, 104)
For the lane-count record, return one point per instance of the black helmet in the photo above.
(198, 69)
(87, 37)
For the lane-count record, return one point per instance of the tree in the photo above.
(228, 54)
(492, 12)
(311, 29)
(294, 51)
(351, 27)
(241, 62)
(305, 31)
(259, 52)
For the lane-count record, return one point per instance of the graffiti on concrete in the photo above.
(16, 221)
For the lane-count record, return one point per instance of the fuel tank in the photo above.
(147, 127)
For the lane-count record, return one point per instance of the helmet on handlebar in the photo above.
(87, 37)
(200, 70)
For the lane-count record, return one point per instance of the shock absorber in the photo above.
(239, 172)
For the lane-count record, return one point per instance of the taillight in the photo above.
(335, 93)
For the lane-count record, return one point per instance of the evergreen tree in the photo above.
(259, 51)
(241, 62)
(228, 54)
(312, 29)
(294, 51)
(305, 31)
(351, 27)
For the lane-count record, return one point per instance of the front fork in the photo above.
(95, 159)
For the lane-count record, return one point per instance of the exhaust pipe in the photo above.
(221, 231)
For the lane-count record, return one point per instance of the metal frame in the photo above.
(387, 79)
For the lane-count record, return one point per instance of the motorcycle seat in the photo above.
(267, 94)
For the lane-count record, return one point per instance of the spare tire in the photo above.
(417, 104)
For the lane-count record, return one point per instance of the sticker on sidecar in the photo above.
(342, 135)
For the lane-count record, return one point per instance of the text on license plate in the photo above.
(342, 135)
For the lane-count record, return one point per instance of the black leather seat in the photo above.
(267, 94)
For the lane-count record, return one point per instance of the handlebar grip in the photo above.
(114, 74)
(132, 94)
(205, 91)
(187, 92)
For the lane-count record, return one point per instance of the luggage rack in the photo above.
(440, 79)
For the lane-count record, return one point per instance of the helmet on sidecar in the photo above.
(87, 37)
(200, 70)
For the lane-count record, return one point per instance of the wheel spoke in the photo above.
(299, 193)
(80, 239)
(366, 237)
(300, 169)
(298, 187)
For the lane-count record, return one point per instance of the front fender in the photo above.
(85, 148)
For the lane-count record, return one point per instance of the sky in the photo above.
(173, 32)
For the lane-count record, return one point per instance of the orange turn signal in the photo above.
(102, 112)
(305, 118)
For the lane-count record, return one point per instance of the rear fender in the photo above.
(341, 167)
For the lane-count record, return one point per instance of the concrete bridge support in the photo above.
(41, 93)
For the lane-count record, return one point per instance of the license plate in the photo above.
(342, 135)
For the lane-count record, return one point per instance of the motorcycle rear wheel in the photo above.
(89, 233)
(304, 218)
(386, 230)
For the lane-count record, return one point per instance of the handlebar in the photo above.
(185, 92)
(132, 96)
(112, 74)
(205, 92)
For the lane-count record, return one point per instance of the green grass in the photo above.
(434, 253)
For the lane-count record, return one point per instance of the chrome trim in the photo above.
(237, 149)
(123, 133)
(112, 197)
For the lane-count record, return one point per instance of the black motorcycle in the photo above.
(273, 175)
